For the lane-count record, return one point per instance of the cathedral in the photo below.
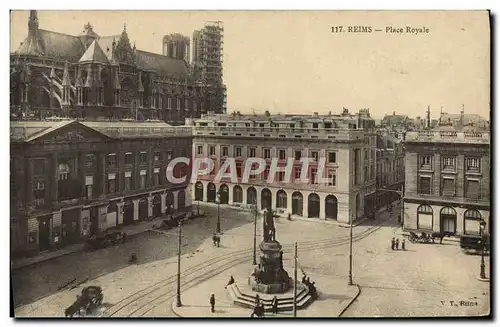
(92, 77)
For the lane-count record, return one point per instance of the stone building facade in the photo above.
(447, 184)
(347, 142)
(90, 76)
(390, 166)
(70, 179)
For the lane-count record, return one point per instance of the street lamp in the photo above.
(255, 213)
(179, 303)
(350, 251)
(482, 226)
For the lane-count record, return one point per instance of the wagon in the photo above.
(90, 298)
(101, 241)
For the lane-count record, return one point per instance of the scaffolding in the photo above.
(209, 52)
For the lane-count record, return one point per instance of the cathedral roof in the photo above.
(54, 44)
(161, 64)
(73, 49)
(94, 53)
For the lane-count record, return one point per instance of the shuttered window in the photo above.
(448, 187)
(472, 189)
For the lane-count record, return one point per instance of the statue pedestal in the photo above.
(270, 277)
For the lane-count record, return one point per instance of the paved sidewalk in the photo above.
(129, 230)
(334, 295)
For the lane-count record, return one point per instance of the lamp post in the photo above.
(255, 212)
(218, 212)
(482, 226)
(350, 252)
(178, 302)
(295, 283)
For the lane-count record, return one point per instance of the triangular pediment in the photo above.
(71, 131)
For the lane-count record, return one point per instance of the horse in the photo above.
(440, 236)
(72, 309)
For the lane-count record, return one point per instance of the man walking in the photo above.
(397, 244)
(212, 302)
(403, 247)
(275, 305)
(393, 243)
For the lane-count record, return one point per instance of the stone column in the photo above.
(230, 190)
(460, 178)
(150, 206)
(259, 198)
(288, 203)
(176, 195)
(244, 197)
(205, 191)
(53, 183)
(163, 202)
(119, 213)
(136, 209)
(305, 205)
(322, 213)
(189, 199)
(104, 178)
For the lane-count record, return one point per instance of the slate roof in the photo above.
(394, 119)
(61, 45)
(106, 44)
(161, 64)
(94, 53)
(27, 131)
(72, 48)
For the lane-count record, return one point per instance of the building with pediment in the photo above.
(89, 76)
(70, 179)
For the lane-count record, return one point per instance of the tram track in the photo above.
(145, 300)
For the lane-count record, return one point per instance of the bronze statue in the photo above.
(269, 229)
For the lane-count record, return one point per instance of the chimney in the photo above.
(462, 116)
(429, 117)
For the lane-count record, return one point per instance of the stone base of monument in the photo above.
(271, 288)
(244, 297)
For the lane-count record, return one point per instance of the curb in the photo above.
(173, 310)
(20, 266)
(482, 279)
(351, 302)
(81, 248)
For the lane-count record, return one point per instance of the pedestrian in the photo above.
(212, 302)
(231, 281)
(275, 305)
(257, 299)
(393, 243)
(218, 241)
(403, 247)
(214, 239)
(397, 244)
(304, 279)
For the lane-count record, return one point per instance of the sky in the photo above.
(291, 62)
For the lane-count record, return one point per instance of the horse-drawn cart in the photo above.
(90, 298)
(104, 240)
(428, 238)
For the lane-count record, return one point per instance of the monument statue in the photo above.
(269, 276)
(269, 229)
